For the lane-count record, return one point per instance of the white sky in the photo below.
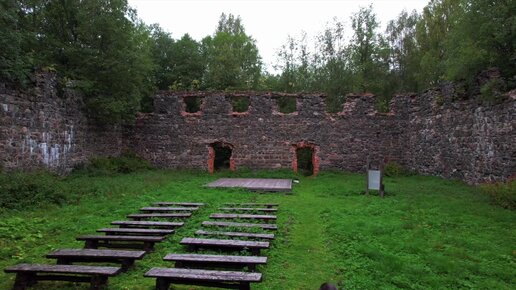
(269, 22)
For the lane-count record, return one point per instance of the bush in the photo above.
(502, 193)
(19, 189)
(393, 169)
(125, 163)
(491, 91)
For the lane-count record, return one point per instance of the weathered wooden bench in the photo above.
(29, 274)
(248, 209)
(147, 224)
(126, 242)
(252, 204)
(253, 246)
(166, 203)
(69, 256)
(207, 278)
(141, 216)
(228, 216)
(135, 231)
(240, 225)
(236, 234)
(167, 209)
(196, 260)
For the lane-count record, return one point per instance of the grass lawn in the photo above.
(428, 233)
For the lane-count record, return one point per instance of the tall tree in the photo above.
(232, 59)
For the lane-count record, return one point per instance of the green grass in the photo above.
(428, 233)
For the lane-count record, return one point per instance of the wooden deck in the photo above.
(255, 184)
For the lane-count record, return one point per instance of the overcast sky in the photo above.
(269, 22)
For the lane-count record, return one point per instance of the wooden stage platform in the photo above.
(254, 184)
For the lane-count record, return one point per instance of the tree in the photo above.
(232, 59)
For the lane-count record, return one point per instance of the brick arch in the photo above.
(211, 155)
(315, 155)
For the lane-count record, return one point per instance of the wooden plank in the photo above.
(256, 184)
(250, 209)
(251, 204)
(148, 224)
(136, 231)
(95, 253)
(183, 204)
(204, 275)
(141, 216)
(216, 258)
(240, 225)
(64, 269)
(242, 216)
(120, 238)
(224, 243)
(236, 234)
(167, 209)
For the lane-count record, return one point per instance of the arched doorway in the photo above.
(220, 156)
(305, 159)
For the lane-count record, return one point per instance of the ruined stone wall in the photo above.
(462, 139)
(39, 129)
(262, 137)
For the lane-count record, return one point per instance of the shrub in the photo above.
(19, 189)
(491, 91)
(393, 169)
(502, 193)
(125, 163)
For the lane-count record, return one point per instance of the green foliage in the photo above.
(394, 169)
(240, 104)
(192, 104)
(232, 59)
(286, 104)
(20, 190)
(492, 91)
(502, 193)
(125, 163)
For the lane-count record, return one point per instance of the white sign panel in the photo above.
(374, 179)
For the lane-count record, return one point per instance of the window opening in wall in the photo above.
(334, 103)
(240, 104)
(222, 158)
(192, 104)
(304, 157)
(286, 104)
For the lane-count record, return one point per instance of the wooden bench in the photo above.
(167, 209)
(135, 232)
(126, 242)
(141, 216)
(241, 225)
(248, 209)
(253, 246)
(166, 203)
(147, 224)
(29, 274)
(269, 205)
(69, 256)
(196, 260)
(236, 234)
(207, 278)
(228, 216)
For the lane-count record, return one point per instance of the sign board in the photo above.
(373, 179)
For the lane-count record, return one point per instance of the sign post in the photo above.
(374, 179)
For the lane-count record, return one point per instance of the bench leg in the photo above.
(98, 282)
(162, 284)
(148, 246)
(23, 280)
(244, 286)
(91, 244)
(126, 264)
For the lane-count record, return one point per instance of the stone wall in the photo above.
(40, 129)
(263, 137)
(435, 133)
